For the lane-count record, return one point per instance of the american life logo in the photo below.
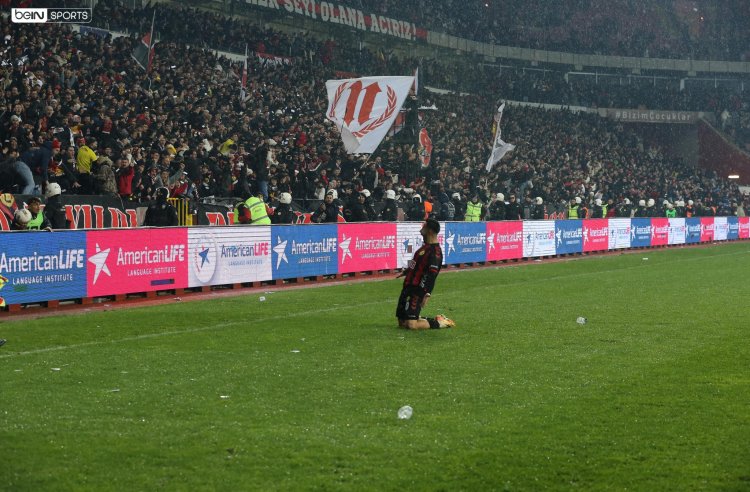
(707, 229)
(640, 233)
(242, 254)
(659, 231)
(51, 15)
(304, 251)
(52, 266)
(132, 260)
(568, 236)
(677, 231)
(721, 229)
(692, 230)
(733, 228)
(595, 235)
(744, 227)
(367, 247)
(619, 233)
(538, 238)
(504, 240)
(465, 242)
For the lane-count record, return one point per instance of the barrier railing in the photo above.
(82, 265)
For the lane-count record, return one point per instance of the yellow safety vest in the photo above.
(473, 212)
(258, 214)
(573, 212)
(36, 223)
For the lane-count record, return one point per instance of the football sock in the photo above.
(434, 325)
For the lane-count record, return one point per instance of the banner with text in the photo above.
(619, 233)
(676, 231)
(568, 236)
(720, 228)
(692, 230)
(659, 231)
(744, 227)
(351, 17)
(133, 260)
(229, 255)
(733, 228)
(304, 251)
(504, 240)
(538, 238)
(595, 235)
(51, 266)
(640, 233)
(707, 229)
(465, 242)
(367, 247)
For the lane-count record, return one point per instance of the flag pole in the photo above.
(151, 42)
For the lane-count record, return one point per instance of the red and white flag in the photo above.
(364, 109)
(499, 147)
(143, 54)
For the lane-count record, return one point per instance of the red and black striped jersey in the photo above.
(424, 267)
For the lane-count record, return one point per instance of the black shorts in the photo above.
(409, 303)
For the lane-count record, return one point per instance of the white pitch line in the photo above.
(187, 331)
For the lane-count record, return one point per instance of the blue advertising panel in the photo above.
(640, 233)
(42, 266)
(304, 251)
(465, 242)
(733, 228)
(692, 230)
(568, 236)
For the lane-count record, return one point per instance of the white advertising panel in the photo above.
(226, 255)
(538, 238)
(619, 233)
(720, 228)
(677, 231)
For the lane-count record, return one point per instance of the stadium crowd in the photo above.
(640, 28)
(83, 105)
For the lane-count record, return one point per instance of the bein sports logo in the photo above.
(50, 15)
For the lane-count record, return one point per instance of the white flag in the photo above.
(364, 109)
(499, 147)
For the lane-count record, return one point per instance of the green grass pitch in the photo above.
(301, 391)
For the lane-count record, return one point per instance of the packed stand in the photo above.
(639, 28)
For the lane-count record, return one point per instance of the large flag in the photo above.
(499, 147)
(243, 79)
(364, 109)
(143, 54)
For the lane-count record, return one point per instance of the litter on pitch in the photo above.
(405, 412)
(581, 320)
